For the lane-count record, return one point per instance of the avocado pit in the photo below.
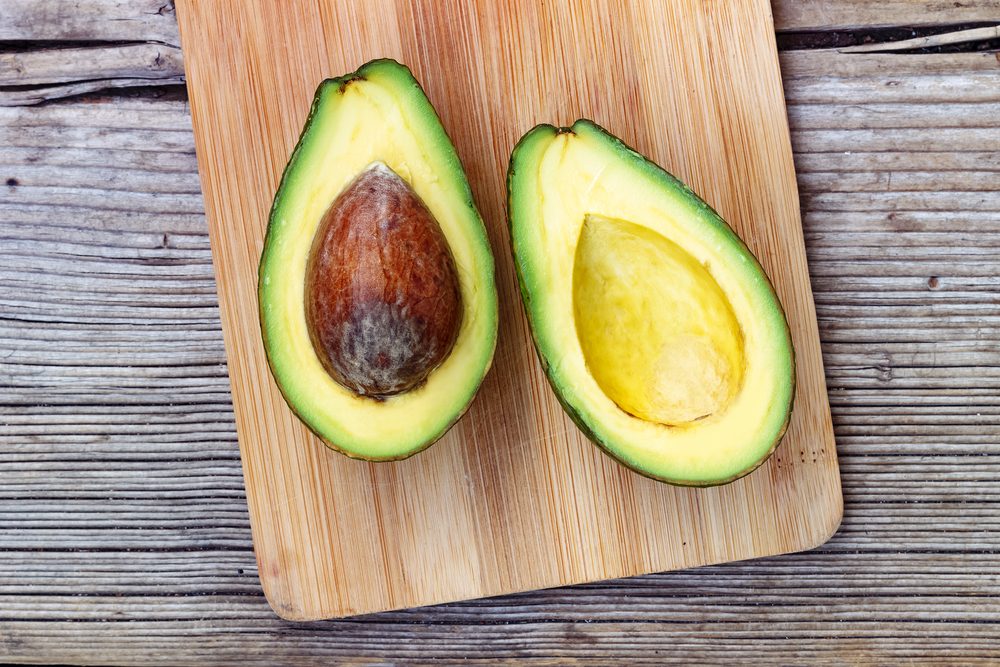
(382, 299)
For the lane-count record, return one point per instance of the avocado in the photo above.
(376, 290)
(659, 331)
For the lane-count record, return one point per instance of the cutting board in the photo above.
(514, 497)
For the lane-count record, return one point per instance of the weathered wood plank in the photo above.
(155, 62)
(36, 95)
(153, 20)
(858, 640)
(890, 69)
(818, 15)
(89, 20)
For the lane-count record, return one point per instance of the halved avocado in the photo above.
(658, 329)
(376, 289)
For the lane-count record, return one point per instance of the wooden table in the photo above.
(123, 529)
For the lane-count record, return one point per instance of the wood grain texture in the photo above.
(89, 20)
(37, 75)
(116, 420)
(135, 44)
(810, 15)
(123, 521)
(153, 20)
(514, 497)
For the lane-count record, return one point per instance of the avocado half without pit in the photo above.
(658, 329)
(376, 285)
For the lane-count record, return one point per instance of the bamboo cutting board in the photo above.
(514, 497)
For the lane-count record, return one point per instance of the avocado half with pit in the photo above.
(658, 329)
(376, 286)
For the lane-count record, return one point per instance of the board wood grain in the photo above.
(514, 497)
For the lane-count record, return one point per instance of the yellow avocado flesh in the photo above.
(658, 329)
(378, 115)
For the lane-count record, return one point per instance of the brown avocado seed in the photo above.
(383, 305)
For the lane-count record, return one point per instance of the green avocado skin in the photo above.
(402, 80)
(583, 125)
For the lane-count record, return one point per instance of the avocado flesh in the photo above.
(376, 116)
(655, 328)
(658, 329)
